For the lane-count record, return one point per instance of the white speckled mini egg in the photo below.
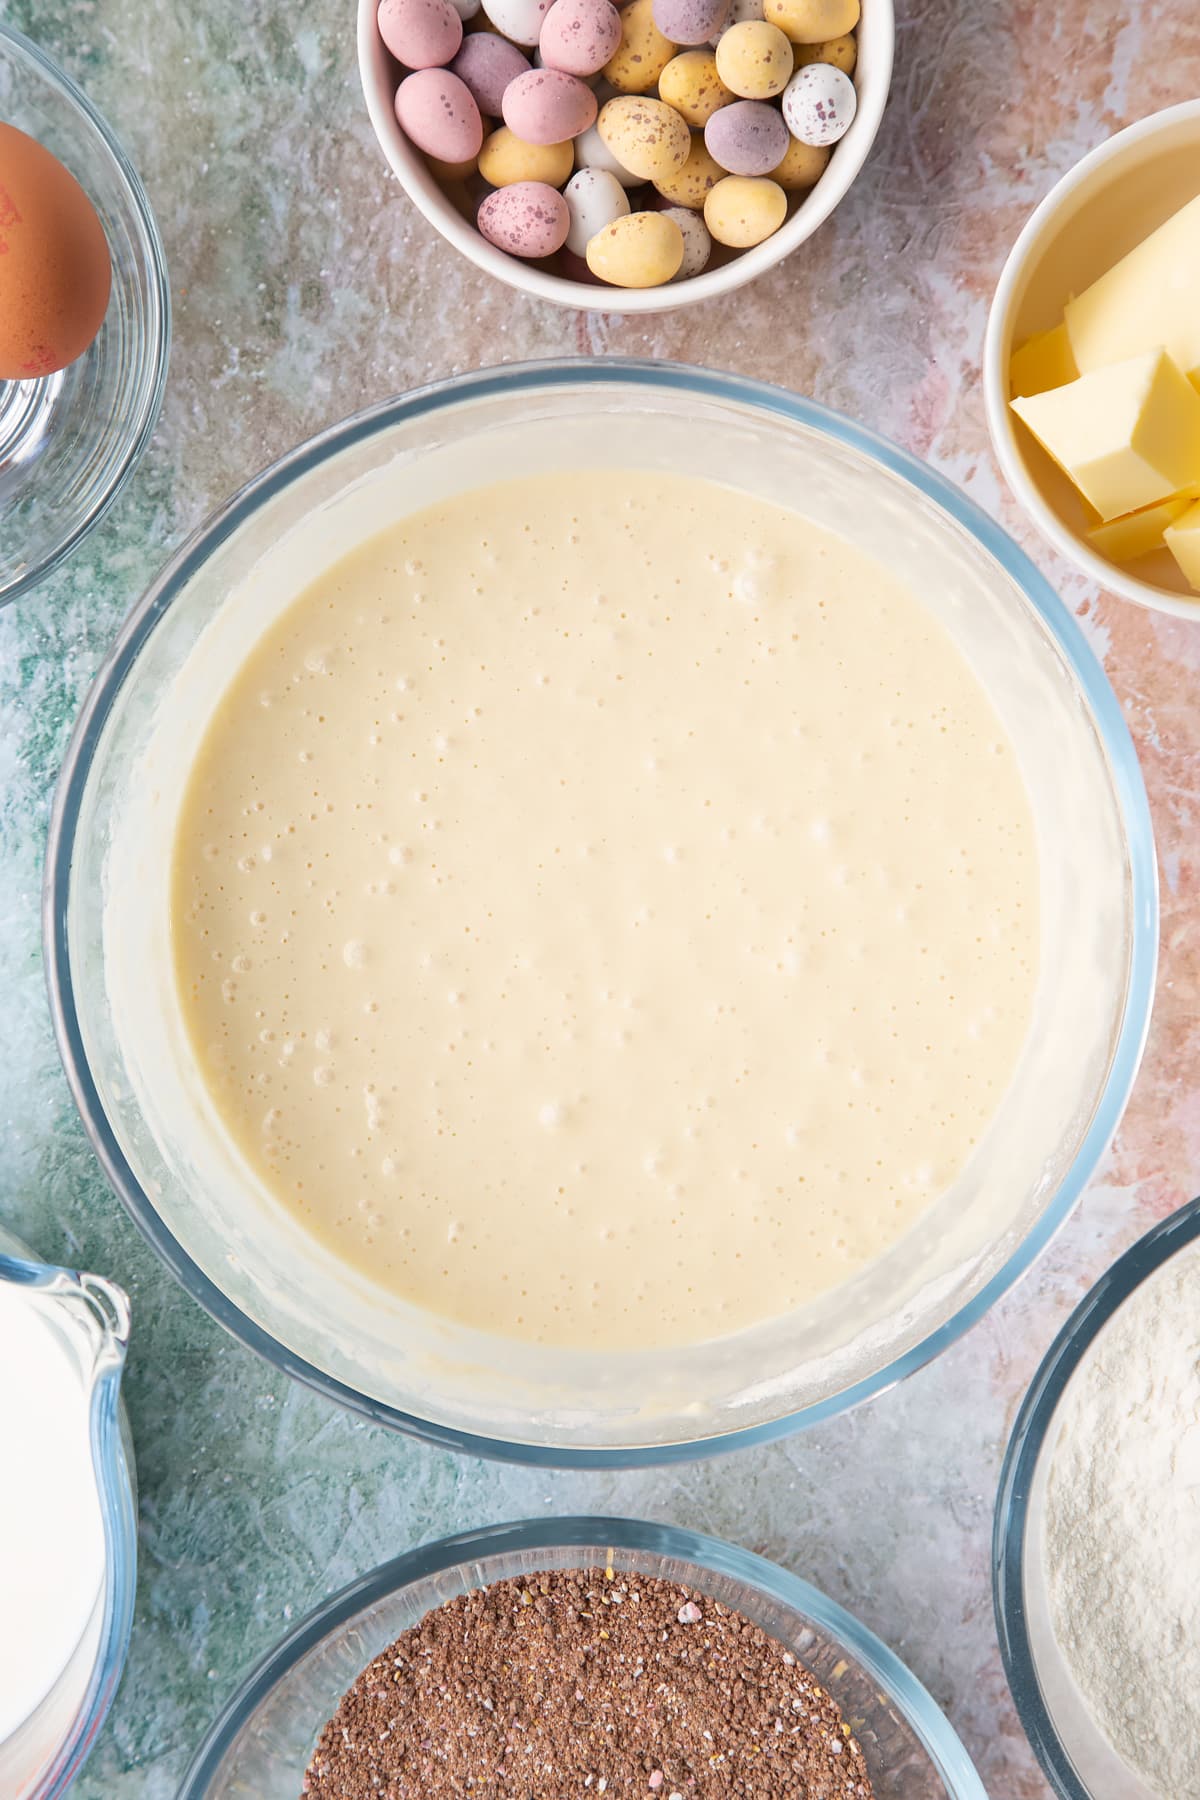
(697, 242)
(594, 199)
(591, 152)
(819, 104)
(520, 20)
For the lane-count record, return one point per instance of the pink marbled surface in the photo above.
(305, 286)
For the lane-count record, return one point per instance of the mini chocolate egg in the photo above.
(742, 211)
(842, 52)
(754, 59)
(691, 85)
(819, 104)
(642, 54)
(507, 159)
(579, 36)
(689, 184)
(437, 112)
(690, 21)
(591, 152)
(740, 13)
(520, 20)
(548, 107)
(802, 166)
(594, 199)
(487, 64)
(747, 138)
(450, 174)
(423, 34)
(55, 267)
(529, 219)
(813, 21)
(646, 136)
(466, 9)
(697, 243)
(642, 251)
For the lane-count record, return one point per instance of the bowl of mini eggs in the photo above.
(626, 158)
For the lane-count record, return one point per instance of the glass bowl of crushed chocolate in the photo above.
(581, 1656)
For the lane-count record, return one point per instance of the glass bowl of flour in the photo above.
(1098, 1529)
(599, 912)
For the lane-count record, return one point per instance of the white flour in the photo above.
(1123, 1529)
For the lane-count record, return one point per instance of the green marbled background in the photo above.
(304, 286)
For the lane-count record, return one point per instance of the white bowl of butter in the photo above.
(582, 961)
(1058, 306)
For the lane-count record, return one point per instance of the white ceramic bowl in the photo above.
(872, 78)
(1109, 202)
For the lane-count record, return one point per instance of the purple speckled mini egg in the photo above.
(747, 138)
(579, 36)
(690, 21)
(435, 109)
(548, 107)
(422, 34)
(819, 103)
(487, 63)
(526, 219)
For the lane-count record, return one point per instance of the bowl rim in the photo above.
(600, 375)
(710, 1555)
(834, 183)
(1000, 425)
(1025, 1445)
(153, 382)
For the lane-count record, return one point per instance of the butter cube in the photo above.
(1138, 533)
(1045, 361)
(1183, 541)
(1149, 300)
(1127, 435)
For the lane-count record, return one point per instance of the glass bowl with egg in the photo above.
(70, 439)
(1102, 1731)
(263, 1739)
(651, 1153)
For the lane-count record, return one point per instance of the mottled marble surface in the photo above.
(304, 286)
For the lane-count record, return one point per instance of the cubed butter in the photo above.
(1149, 300)
(1127, 435)
(1183, 541)
(1044, 362)
(1138, 533)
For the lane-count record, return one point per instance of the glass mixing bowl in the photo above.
(262, 1741)
(68, 442)
(107, 919)
(1078, 1761)
(90, 1316)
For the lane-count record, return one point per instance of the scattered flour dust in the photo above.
(1123, 1529)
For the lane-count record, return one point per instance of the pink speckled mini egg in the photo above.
(548, 107)
(690, 21)
(527, 219)
(579, 36)
(487, 63)
(747, 138)
(437, 112)
(422, 34)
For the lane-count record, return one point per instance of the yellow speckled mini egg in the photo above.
(743, 210)
(689, 184)
(755, 60)
(642, 250)
(643, 52)
(802, 166)
(812, 21)
(506, 159)
(691, 85)
(842, 52)
(646, 136)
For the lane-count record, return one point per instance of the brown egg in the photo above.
(55, 270)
